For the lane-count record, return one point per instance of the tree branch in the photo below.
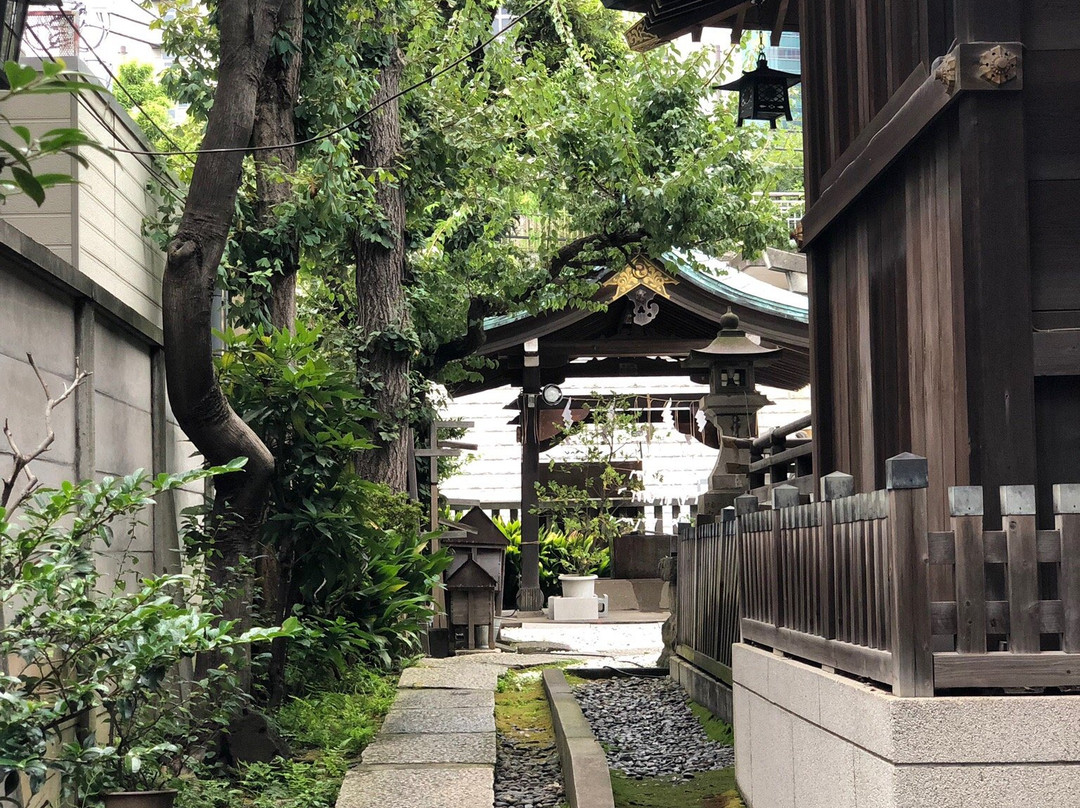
(22, 460)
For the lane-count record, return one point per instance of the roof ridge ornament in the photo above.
(641, 271)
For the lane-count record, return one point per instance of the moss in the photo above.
(717, 730)
(705, 790)
(521, 708)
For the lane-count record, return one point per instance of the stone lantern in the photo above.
(728, 365)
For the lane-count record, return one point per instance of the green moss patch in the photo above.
(521, 708)
(705, 790)
(717, 730)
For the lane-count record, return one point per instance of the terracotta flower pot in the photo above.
(140, 799)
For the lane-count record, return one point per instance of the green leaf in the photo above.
(28, 185)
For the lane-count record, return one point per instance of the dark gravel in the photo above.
(647, 729)
(527, 775)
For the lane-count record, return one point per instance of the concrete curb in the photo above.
(585, 769)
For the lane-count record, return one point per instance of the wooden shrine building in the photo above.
(942, 175)
(942, 143)
(654, 314)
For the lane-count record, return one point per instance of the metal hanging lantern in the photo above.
(763, 92)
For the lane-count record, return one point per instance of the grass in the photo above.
(328, 729)
(717, 730)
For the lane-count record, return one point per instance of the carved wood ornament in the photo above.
(998, 65)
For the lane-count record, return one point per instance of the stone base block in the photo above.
(808, 738)
(702, 687)
(568, 610)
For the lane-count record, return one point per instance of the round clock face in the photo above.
(551, 394)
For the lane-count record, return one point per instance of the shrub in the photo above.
(349, 554)
(87, 645)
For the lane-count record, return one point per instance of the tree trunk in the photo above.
(275, 122)
(200, 406)
(382, 312)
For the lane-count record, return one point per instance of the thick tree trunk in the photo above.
(194, 253)
(275, 122)
(382, 311)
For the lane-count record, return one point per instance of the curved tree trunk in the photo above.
(382, 311)
(194, 253)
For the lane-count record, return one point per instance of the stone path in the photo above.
(436, 748)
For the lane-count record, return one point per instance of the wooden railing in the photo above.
(778, 457)
(844, 582)
(1014, 620)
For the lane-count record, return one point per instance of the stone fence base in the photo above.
(807, 738)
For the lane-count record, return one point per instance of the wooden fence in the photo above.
(844, 582)
(708, 607)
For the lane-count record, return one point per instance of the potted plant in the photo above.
(584, 557)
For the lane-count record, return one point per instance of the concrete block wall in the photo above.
(118, 420)
(807, 738)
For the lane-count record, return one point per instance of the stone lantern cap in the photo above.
(730, 343)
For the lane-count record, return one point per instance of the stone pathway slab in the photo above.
(439, 720)
(412, 699)
(470, 677)
(459, 747)
(444, 786)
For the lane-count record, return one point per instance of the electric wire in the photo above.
(349, 124)
(164, 180)
(115, 79)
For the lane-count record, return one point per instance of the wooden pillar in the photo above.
(996, 263)
(530, 598)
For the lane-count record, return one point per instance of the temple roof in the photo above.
(656, 313)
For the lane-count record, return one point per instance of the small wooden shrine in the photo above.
(474, 580)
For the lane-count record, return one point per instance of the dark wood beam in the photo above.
(737, 28)
(778, 26)
(877, 148)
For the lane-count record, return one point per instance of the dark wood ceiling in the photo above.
(665, 20)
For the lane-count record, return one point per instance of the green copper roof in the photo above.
(728, 284)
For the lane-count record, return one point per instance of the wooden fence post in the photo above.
(1067, 511)
(783, 496)
(906, 479)
(966, 510)
(1018, 522)
(837, 485)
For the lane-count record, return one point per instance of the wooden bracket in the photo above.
(982, 66)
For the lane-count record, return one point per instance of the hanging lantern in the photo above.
(763, 93)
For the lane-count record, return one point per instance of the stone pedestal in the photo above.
(569, 610)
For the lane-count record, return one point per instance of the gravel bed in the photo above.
(527, 775)
(647, 729)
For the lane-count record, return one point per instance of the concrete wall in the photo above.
(807, 738)
(118, 420)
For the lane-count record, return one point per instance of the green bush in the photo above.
(350, 557)
(87, 645)
(346, 719)
(556, 558)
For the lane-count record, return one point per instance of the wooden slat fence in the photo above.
(844, 582)
(1014, 620)
(708, 606)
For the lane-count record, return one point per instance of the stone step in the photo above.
(405, 786)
